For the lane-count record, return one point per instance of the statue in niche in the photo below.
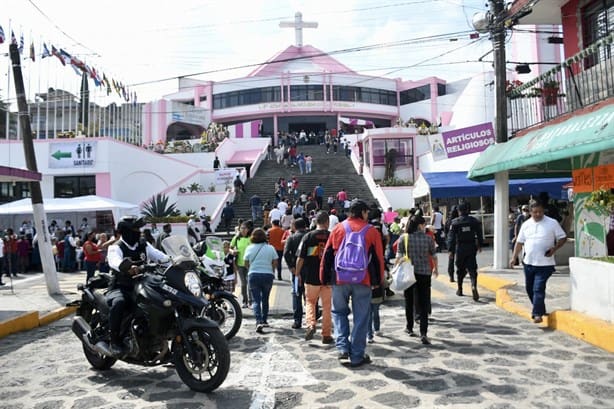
(390, 157)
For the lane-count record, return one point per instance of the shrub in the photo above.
(158, 206)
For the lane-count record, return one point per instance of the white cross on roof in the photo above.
(298, 25)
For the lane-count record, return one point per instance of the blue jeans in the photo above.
(361, 308)
(90, 268)
(298, 289)
(535, 282)
(373, 320)
(260, 286)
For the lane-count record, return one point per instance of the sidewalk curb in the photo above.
(32, 319)
(594, 331)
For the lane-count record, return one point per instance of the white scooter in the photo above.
(223, 306)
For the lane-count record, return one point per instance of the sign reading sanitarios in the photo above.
(462, 141)
(76, 154)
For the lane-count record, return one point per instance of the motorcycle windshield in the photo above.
(214, 246)
(179, 250)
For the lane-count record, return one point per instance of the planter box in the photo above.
(592, 288)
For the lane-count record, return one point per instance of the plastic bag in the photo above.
(402, 276)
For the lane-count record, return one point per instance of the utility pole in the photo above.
(501, 207)
(40, 218)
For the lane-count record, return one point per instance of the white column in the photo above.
(501, 235)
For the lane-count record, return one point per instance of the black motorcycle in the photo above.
(165, 324)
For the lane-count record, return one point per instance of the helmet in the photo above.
(128, 227)
(129, 223)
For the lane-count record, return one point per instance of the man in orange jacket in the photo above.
(275, 234)
(360, 292)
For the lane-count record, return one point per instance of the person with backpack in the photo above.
(310, 252)
(354, 256)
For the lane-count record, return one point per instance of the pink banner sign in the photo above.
(468, 140)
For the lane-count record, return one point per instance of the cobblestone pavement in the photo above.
(481, 357)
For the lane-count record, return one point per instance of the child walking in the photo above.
(377, 298)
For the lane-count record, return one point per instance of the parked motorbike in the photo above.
(223, 307)
(164, 325)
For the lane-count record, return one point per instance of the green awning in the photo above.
(547, 152)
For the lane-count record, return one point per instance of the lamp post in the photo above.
(493, 22)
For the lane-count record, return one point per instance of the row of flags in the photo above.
(80, 67)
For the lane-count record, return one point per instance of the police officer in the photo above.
(466, 240)
(124, 257)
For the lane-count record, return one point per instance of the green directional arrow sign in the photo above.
(59, 154)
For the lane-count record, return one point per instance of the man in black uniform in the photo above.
(466, 240)
(124, 257)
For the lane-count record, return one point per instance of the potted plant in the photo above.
(549, 91)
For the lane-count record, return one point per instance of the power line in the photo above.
(321, 54)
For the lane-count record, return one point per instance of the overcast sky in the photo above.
(150, 41)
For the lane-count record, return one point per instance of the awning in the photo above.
(8, 174)
(72, 205)
(548, 151)
(441, 185)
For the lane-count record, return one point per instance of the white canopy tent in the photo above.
(82, 204)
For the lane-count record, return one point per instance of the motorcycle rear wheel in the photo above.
(208, 369)
(226, 312)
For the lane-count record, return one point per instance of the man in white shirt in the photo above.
(282, 206)
(275, 214)
(437, 222)
(332, 219)
(540, 237)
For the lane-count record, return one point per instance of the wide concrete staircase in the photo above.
(335, 172)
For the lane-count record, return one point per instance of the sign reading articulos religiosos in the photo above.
(462, 141)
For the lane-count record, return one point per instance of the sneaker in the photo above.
(260, 329)
(245, 305)
(474, 293)
(537, 320)
(296, 325)
(265, 324)
(309, 334)
(370, 340)
(327, 339)
(459, 292)
(424, 339)
(410, 332)
(451, 279)
(365, 360)
(343, 356)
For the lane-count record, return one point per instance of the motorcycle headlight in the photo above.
(192, 283)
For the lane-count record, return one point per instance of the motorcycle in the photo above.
(164, 325)
(223, 306)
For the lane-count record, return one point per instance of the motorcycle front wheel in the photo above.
(225, 310)
(204, 365)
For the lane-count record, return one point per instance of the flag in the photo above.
(106, 83)
(32, 53)
(20, 48)
(66, 57)
(1, 35)
(46, 52)
(54, 51)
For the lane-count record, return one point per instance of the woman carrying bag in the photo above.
(420, 248)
